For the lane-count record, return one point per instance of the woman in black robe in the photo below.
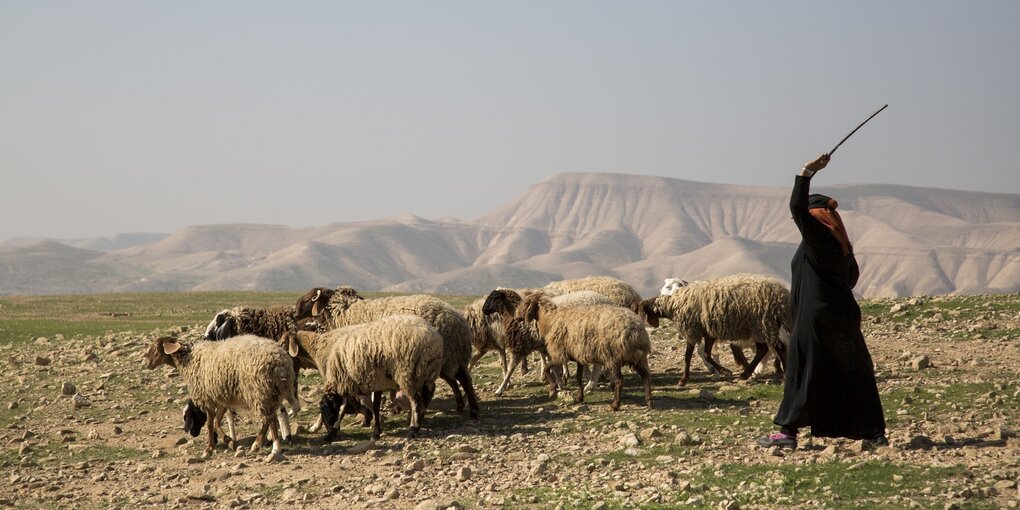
(830, 379)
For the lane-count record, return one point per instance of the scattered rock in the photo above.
(415, 466)
(463, 474)
(80, 401)
(683, 439)
(629, 440)
(920, 363)
(42, 361)
(920, 443)
(439, 504)
(650, 433)
(67, 388)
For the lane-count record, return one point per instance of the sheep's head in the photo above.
(307, 302)
(294, 343)
(649, 312)
(501, 301)
(330, 407)
(161, 351)
(210, 331)
(671, 284)
(345, 297)
(533, 305)
(194, 418)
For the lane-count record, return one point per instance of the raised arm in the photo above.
(801, 189)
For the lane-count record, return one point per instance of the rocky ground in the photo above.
(84, 425)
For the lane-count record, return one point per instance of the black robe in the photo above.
(830, 379)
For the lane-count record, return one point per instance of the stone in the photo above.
(920, 443)
(80, 401)
(415, 466)
(650, 433)
(463, 474)
(920, 363)
(42, 361)
(629, 440)
(291, 494)
(439, 504)
(67, 388)
(830, 451)
(683, 439)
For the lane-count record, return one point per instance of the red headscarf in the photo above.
(823, 209)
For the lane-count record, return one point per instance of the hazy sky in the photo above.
(150, 116)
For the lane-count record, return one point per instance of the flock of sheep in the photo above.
(400, 345)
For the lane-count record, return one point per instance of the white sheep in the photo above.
(245, 372)
(395, 352)
(618, 291)
(746, 310)
(345, 307)
(671, 284)
(607, 335)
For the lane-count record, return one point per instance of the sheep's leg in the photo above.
(230, 437)
(780, 360)
(515, 361)
(315, 426)
(687, 364)
(579, 398)
(452, 381)
(274, 431)
(212, 435)
(641, 368)
(475, 357)
(759, 352)
(281, 416)
(377, 414)
(709, 342)
(417, 413)
(705, 359)
(331, 430)
(595, 377)
(738, 356)
(551, 380)
(617, 388)
(502, 358)
(469, 391)
(261, 436)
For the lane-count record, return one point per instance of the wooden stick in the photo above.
(855, 129)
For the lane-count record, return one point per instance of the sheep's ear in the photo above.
(171, 346)
(293, 347)
(529, 310)
(316, 309)
(648, 314)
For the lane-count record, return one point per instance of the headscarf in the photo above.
(823, 208)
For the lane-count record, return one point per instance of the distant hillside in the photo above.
(909, 241)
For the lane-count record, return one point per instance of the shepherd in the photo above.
(830, 378)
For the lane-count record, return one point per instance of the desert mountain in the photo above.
(909, 241)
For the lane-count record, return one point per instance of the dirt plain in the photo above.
(84, 425)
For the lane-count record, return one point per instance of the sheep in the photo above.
(345, 307)
(671, 284)
(607, 335)
(394, 352)
(270, 322)
(486, 333)
(518, 339)
(618, 291)
(306, 347)
(243, 372)
(744, 309)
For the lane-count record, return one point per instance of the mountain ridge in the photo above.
(909, 241)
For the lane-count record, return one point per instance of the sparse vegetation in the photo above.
(952, 419)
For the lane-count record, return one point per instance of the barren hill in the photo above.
(909, 241)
